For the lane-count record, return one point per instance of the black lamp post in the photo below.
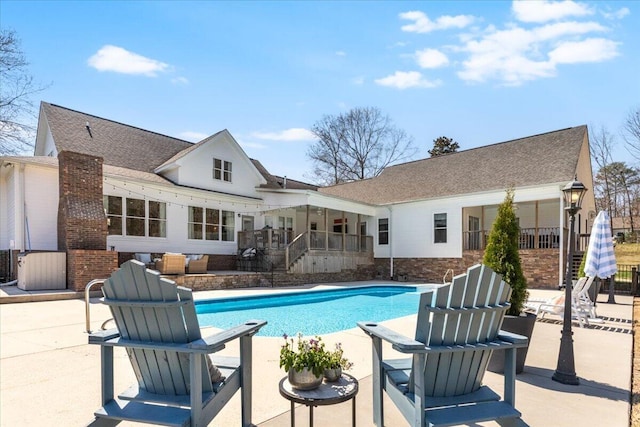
(566, 372)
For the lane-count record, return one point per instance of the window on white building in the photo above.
(211, 224)
(440, 228)
(221, 170)
(135, 217)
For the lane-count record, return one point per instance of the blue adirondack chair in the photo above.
(458, 326)
(157, 325)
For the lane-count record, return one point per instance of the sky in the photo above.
(480, 72)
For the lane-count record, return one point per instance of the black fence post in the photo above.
(634, 280)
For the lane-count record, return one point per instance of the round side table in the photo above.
(328, 393)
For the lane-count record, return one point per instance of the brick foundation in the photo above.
(540, 267)
(208, 282)
(85, 265)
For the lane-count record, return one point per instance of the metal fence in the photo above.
(626, 281)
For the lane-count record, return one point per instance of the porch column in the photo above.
(358, 230)
(537, 232)
(344, 237)
(308, 234)
(326, 229)
(482, 242)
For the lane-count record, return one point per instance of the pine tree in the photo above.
(502, 253)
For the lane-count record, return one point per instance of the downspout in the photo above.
(390, 207)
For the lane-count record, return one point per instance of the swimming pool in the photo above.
(312, 312)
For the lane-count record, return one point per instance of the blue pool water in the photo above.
(312, 312)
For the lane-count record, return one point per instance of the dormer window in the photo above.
(221, 170)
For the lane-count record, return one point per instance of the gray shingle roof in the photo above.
(118, 144)
(535, 160)
(108, 170)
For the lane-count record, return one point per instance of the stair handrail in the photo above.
(295, 249)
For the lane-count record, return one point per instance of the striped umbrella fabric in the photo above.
(601, 260)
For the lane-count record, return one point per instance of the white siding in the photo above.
(177, 203)
(411, 227)
(196, 168)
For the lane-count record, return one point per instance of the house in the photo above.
(100, 191)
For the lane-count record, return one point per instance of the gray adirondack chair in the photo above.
(458, 326)
(157, 325)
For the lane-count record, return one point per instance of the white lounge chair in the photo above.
(582, 308)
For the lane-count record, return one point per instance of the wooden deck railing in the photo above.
(529, 238)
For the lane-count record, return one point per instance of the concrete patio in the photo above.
(49, 375)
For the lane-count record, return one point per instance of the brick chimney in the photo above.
(82, 223)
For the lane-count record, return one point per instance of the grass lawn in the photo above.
(628, 253)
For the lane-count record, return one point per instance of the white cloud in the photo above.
(180, 81)
(255, 145)
(618, 14)
(292, 134)
(431, 58)
(407, 79)
(589, 50)
(422, 23)
(192, 136)
(561, 29)
(119, 60)
(545, 10)
(515, 55)
(341, 53)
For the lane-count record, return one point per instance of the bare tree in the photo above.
(356, 145)
(601, 144)
(443, 145)
(631, 133)
(17, 112)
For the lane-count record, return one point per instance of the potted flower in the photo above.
(336, 362)
(304, 361)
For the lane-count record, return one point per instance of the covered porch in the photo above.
(314, 233)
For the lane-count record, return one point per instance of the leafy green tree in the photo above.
(502, 253)
(443, 145)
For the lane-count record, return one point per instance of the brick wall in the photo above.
(540, 267)
(204, 282)
(85, 265)
(82, 223)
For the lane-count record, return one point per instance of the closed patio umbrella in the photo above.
(601, 260)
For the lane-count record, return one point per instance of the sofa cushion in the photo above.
(143, 257)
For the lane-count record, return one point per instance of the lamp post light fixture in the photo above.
(565, 371)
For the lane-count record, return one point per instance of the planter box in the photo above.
(520, 325)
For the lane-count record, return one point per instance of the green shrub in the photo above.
(502, 253)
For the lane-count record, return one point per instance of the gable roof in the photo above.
(535, 160)
(118, 144)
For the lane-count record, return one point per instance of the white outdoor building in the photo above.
(415, 220)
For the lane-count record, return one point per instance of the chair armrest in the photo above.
(103, 336)
(399, 342)
(515, 339)
(217, 340)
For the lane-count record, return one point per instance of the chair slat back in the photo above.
(170, 319)
(470, 310)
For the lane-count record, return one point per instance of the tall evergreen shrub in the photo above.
(502, 253)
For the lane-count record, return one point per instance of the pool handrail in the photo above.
(87, 303)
